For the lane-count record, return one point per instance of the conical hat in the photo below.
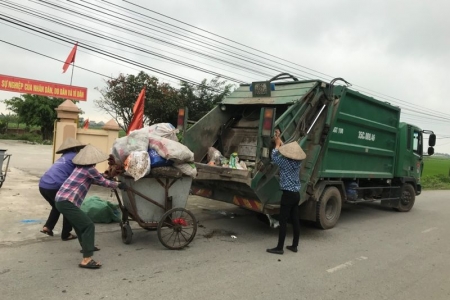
(89, 155)
(292, 151)
(68, 144)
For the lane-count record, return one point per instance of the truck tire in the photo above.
(407, 198)
(328, 209)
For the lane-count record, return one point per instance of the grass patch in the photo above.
(22, 126)
(436, 173)
(436, 165)
(436, 182)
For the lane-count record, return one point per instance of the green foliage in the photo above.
(436, 173)
(436, 182)
(121, 93)
(35, 110)
(436, 165)
(162, 101)
(201, 99)
(3, 126)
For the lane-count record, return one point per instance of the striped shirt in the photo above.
(289, 171)
(75, 188)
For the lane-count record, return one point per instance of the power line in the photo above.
(92, 48)
(64, 23)
(222, 75)
(266, 53)
(47, 56)
(121, 43)
(127, 28)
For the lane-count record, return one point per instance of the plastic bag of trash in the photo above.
(170, 149)
(120, 150)
(137, 164)
(165, 130)
(100, 211)
(157, 160)
(214, 156)
(188, 169)
(137, 140)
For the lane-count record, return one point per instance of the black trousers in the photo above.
(289, 209)
(53, 217)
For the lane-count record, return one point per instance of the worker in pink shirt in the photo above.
(72, 193)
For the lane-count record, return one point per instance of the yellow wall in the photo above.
(66, 127)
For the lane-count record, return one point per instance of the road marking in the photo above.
(346, 264)
(429, 229)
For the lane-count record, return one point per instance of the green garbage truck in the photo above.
(357, 148)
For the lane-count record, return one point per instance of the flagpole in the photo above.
(71, 76)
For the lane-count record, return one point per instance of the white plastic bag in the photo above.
(137, 140)
(120, 150)
(137, 164)
(187, 169)
(165, 130)
(170, 149)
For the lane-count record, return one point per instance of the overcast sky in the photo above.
(398, 49)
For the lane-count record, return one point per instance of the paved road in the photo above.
(373, 253)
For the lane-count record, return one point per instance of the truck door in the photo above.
(416, 159)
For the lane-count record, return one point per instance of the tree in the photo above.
(36, 110)
(6, 120)
(199, 99)
(121, 93)
(162, 101)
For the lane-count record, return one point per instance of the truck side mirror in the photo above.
(432, 140)
(430, 151)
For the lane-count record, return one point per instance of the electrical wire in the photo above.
(429, 114)
(257, 50)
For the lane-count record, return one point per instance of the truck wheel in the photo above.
(407, 198)
(328, 209)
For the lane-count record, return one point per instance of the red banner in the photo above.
(50, 89)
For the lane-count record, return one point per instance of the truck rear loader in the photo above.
(357, 148)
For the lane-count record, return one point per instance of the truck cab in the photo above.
(410, 154)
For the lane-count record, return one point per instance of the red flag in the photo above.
(137, 121)
(86, 124)
(71, 58)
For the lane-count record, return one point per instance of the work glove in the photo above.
(122, 186)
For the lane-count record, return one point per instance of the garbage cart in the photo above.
(157, 202)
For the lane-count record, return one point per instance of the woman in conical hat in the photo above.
(288, 157)
(71, 195)
(52, 180)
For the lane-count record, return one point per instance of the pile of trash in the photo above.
(215, 158)
(151, 147)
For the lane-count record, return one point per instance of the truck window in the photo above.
(417, 142)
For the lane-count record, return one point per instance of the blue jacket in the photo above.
(58, 172)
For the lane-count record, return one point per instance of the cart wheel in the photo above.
(127, 234)
(177, 228)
